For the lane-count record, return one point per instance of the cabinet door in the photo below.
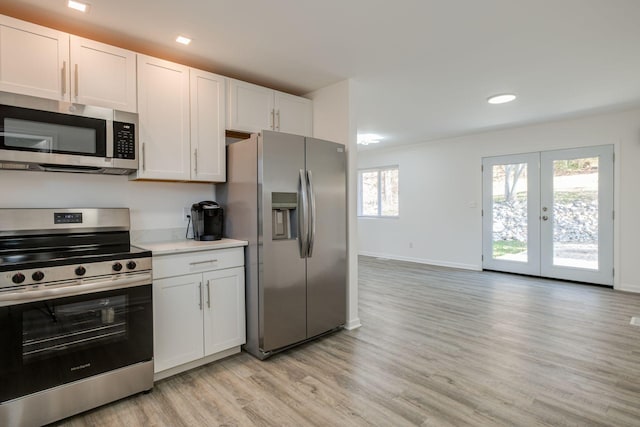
(163, 109)
(250, 107)
(34, 60)
(208, 108)
(293, 114)
(102, 75)
(177, 320)
(224, 316)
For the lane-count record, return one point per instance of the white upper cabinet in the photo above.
(163, 109)
(102, 75)
(253, 108)
(181, 114)
(207, 126)
(294, 114)
(34, 60)
(250, 107)
(38, 61)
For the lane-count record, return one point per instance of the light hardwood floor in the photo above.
(437, 347)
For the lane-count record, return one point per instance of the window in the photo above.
(378, 192)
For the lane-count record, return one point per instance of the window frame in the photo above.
(379, 170)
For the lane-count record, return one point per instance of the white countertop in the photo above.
(184, 245)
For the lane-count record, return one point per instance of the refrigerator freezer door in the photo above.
(282, 271)
(327, 265)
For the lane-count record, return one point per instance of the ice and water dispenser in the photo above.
(283, 215)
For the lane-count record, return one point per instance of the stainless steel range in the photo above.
(76, 321)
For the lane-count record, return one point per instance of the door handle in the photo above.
(278, 115)
(76, 79)
(273, 119)
(195, 158)
(545, 218)
(64, 77)
(208, 294)
(302, 216)
(200, 291)
(312, 214)
(143, 158)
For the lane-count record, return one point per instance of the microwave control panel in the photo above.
(124, 144)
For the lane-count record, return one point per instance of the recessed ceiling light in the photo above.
(183, 40)
(82, 7)
(368, 138)
(501, 98)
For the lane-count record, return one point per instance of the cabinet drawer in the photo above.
(194, 262)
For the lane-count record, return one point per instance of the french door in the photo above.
(550, 214)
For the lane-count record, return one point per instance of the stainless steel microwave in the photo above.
(63, 137)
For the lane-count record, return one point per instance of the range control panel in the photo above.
(124, 144)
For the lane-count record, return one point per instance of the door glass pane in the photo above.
(575, 213)
(510, 212)
(389, 192)
(48, 137)
(370, 193)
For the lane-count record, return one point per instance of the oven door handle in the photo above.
(73, 289)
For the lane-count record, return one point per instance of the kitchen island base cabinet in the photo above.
(199, 317)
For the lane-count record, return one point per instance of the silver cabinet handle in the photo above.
(76, 80)
(143, 158)
(545, 218)
(203, 262)
(312, 214)
(208, 294)
(195, 160)
(273, 120)
(200, 291)
(64, 77)
(278, 114)
(302, 216)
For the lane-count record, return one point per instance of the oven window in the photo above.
(49, 329)
(61, 340)
(49, 137)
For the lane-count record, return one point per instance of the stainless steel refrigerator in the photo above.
(286, 195)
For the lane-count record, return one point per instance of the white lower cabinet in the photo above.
(199, 311)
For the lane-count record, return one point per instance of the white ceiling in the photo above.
(422, 68)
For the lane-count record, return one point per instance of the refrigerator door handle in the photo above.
(312, 215)
(302, 215)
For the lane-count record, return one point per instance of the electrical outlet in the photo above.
(186, 213)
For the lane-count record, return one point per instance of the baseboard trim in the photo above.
(627, 287)
(353, 324)
(438, 263)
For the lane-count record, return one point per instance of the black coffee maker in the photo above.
(207, 220)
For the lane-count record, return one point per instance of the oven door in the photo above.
(56, 341)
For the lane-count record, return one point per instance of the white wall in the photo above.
(441, 191)
(154, 205)
(334, 120)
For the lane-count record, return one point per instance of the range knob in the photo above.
(131, 265)
(18, 278)
(80, 271)
(37, 276)
(117, 266)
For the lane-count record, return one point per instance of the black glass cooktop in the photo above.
(51, 251)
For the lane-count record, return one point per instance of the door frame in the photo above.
(607, 228)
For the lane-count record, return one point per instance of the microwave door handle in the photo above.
(302, 215)
(312, 214)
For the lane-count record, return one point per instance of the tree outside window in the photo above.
(378, 192)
